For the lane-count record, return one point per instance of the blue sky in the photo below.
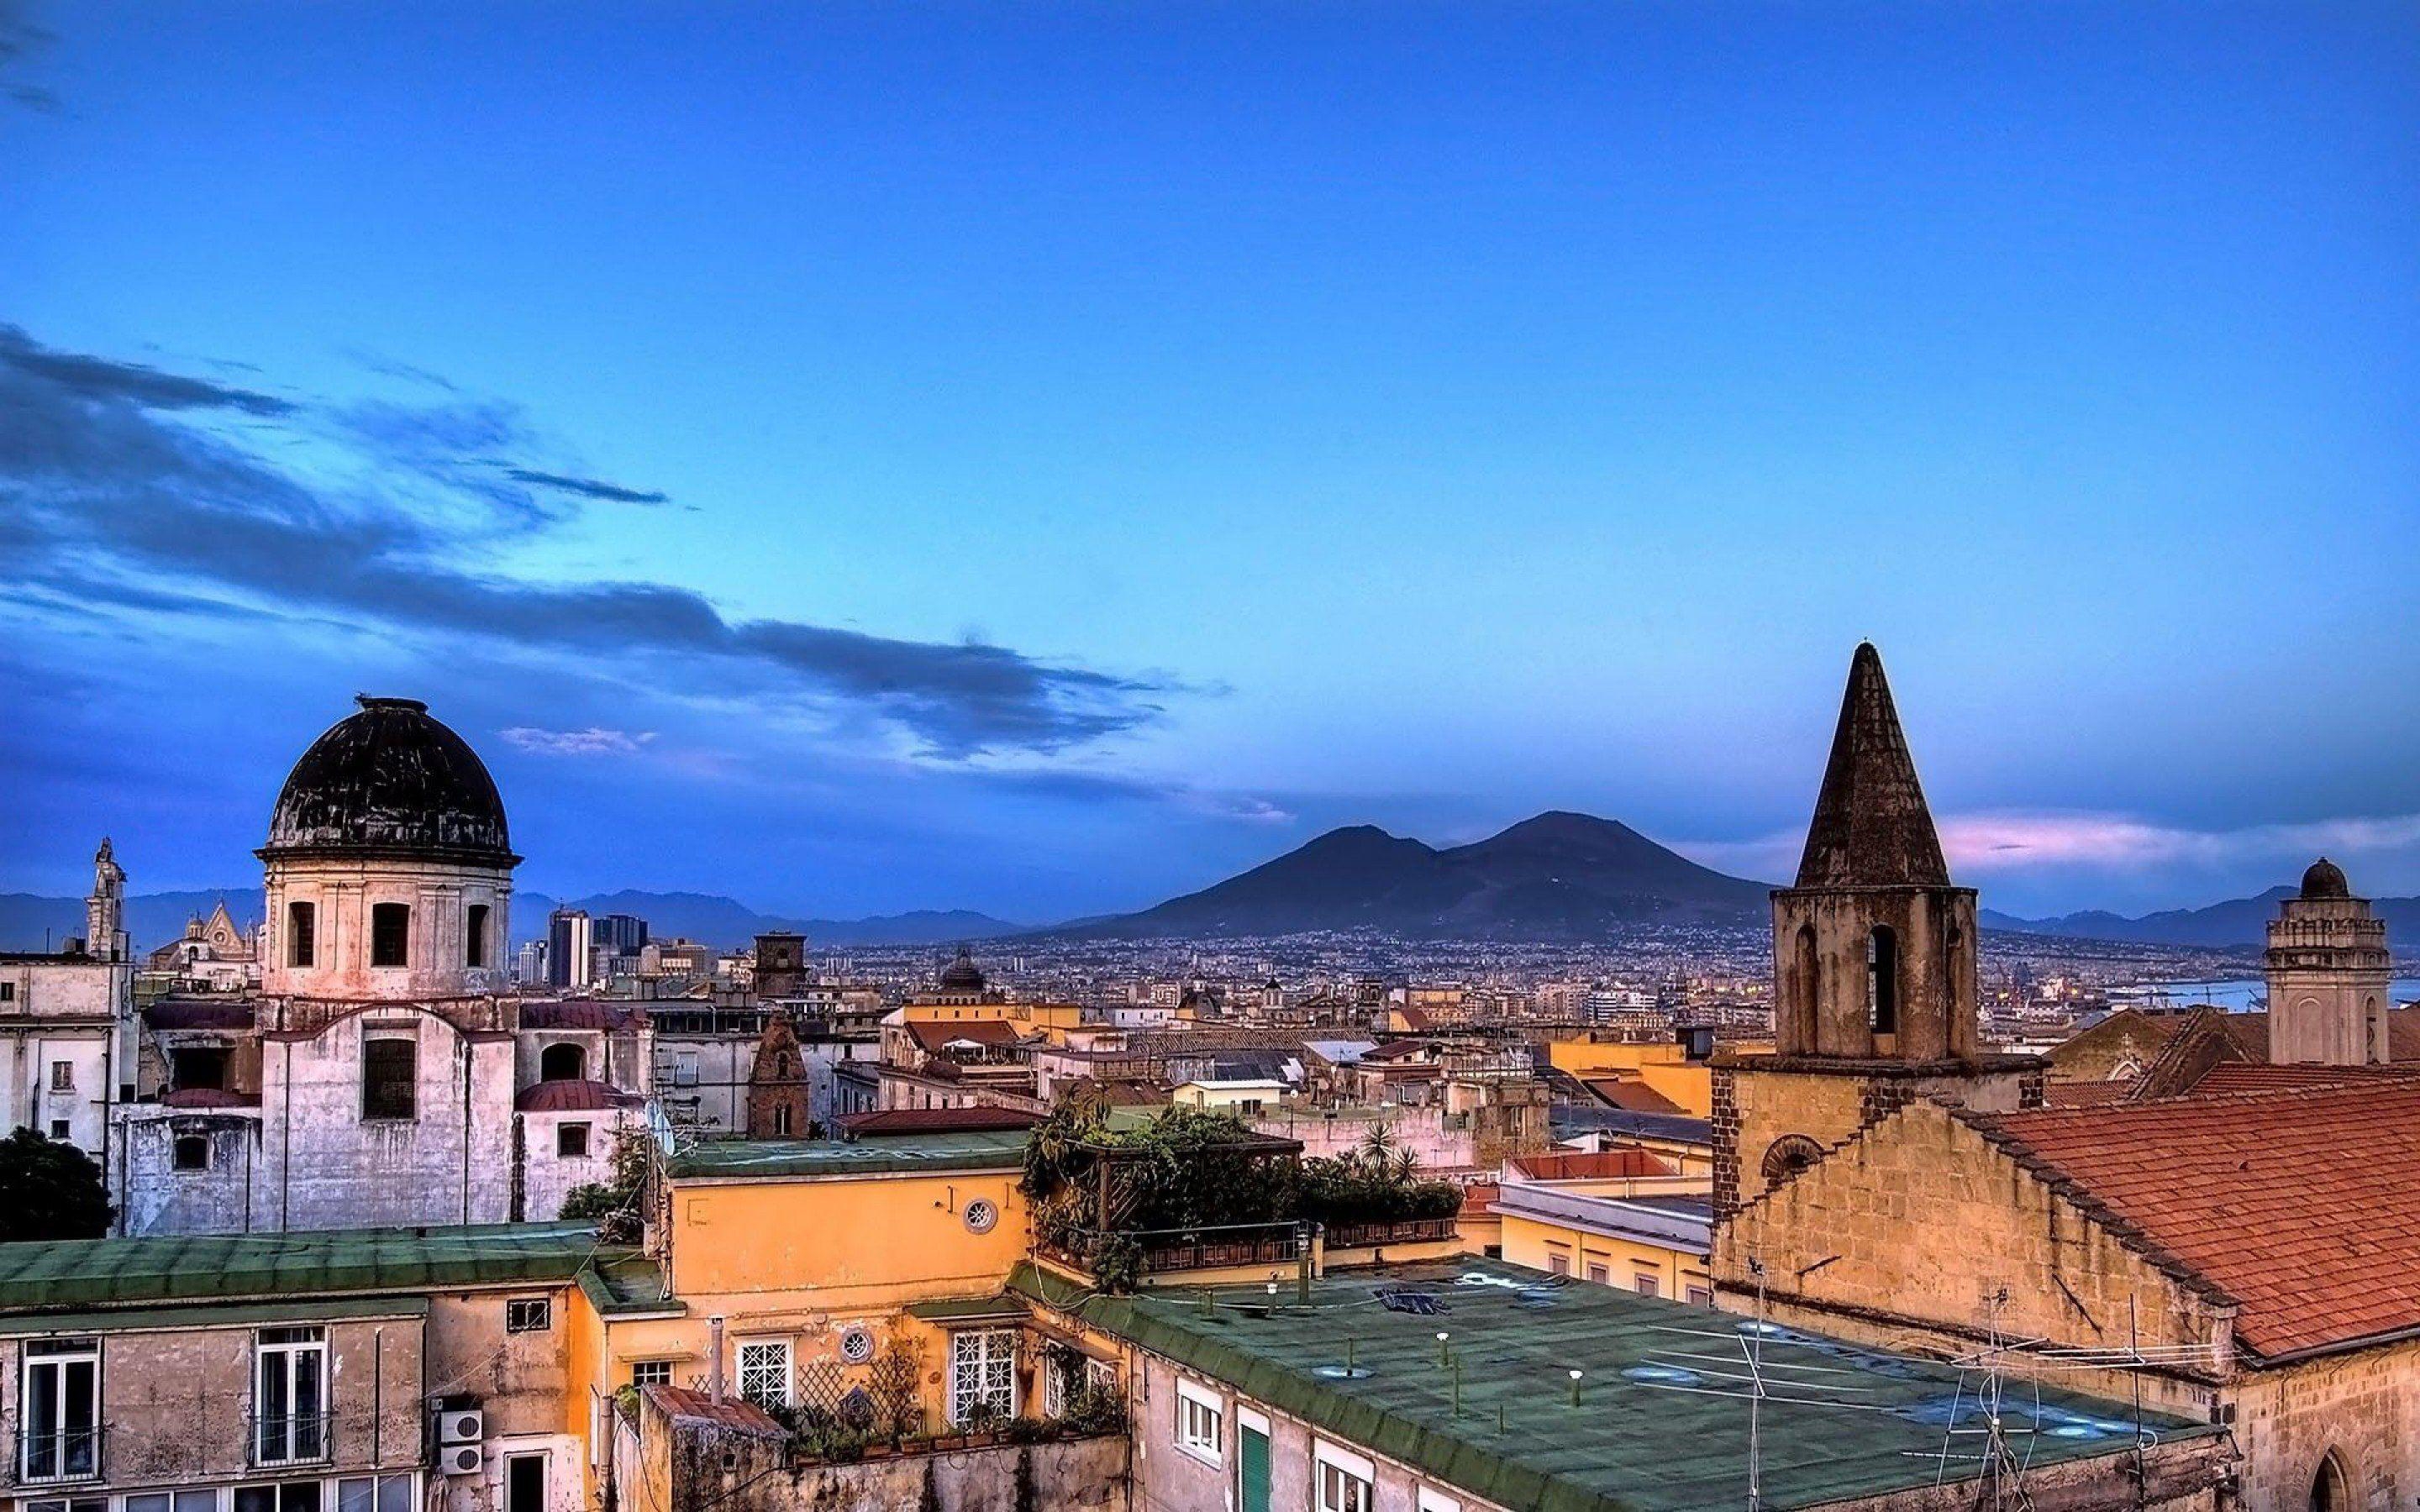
(1099, 446)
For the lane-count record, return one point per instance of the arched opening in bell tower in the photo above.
(1882, 980)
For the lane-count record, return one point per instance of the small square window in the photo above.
(193, 1152)
(1599, 1274)
(651, 1373)
(1701, 1297)
(7, 992)
(1648, 1285)
(529, 1314)
(571, 1141)
(60, 1129)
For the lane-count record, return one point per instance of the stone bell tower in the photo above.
(1874, 1000)
(104, 908)
(2328, 972)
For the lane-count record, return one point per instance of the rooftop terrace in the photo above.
(951, 1149)
(1662, 1420)
(107, 1273)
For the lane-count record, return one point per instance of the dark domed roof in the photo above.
(963, 974)
(2325, 879)
(391, 781)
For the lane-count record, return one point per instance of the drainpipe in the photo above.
(714, 1360)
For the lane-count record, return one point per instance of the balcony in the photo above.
(1397, 1231)
(1139, 1253)
(64, 1457)
(284, 1439)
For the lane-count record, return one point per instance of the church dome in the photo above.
(2325, 879)
(962, 975)
(391, 782)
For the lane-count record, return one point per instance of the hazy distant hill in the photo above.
(154, 918)
(2239, 922)
(1559, 875)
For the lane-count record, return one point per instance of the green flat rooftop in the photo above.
(107, 1273)
(1663, 1420)
(967, 1149)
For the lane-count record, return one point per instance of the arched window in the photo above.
(562, 1063)
(2330, 1491)
(1789, 1155)
(302, 920)
(1804, 1011)
(390, 934)
(1882, 980)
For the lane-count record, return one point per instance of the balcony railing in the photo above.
(60, 1459)
(1401, 1231)
(1208, 1247)
(292, 1439)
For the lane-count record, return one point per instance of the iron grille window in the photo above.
(529, 1314)
(390, 1078)
(765, 1372)
(982, 1374)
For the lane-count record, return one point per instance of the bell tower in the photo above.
(1874, 1000)
(104, 908)
(2328, 975)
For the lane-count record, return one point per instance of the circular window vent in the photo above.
(981, 1216)
(857, 1345)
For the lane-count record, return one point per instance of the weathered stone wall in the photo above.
(325, 1167)
(1077, 1475)
(1761, 1099)
(2363, 1408)
(1924, 1223)
(153, 1196)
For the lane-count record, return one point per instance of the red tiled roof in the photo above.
(1632, 1097)
(926, 1121)
(208, 1097)
(1576, 1165)
(198, 1014)
(1393, 1050)
(2301, 1205)
(572, 1096)
(2238, 1076)
(1478, 1198)
(932, 1034)
(736, 1413)
(574, 1014)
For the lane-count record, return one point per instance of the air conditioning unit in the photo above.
(459, 1460)
(461, 1425)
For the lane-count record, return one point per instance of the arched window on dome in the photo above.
(562, 1063)
(390, 934)
(301, 939)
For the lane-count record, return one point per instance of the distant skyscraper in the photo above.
(619, 934)
(568, 942)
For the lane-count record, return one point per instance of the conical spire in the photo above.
(1872, 828)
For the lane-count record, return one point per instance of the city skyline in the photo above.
(1043, 464)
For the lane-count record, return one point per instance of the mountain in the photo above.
(30, 921)
(1557, 876)
(2238, 923)
(719, 920)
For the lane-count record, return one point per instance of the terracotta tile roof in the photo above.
(734, 1413)
(208, 1097)
(2241, 1076)
(198, 1014)
(1478, 1198)
(1574, 1165)
(2086, 1094)
(575, 1015)
(2302, 1205)
(926, 1121)
(1394, 1050)
(933, 1034)
(572, 1096)
(1634, 1097)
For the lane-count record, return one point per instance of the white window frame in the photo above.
(59, 1355)
(529, 1314)
(378, 1483)
(741, 1366)
(295, 1444)
(1332, 1467)
(990, 1354)
(1200, 1423)
(651, 1372)
(1432, 1499)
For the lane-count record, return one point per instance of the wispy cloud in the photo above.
(586, 487)
(2008, 842)
(593, 741)
(122, 479)
(21, 39)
